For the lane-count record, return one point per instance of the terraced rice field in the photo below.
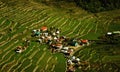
(16, 24)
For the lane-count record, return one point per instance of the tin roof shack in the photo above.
(59, 46)
(35, 33)
(67, 51)
(73, 43)
(114, 33)
(56, 47)
(71, 68)
(43, 28)
(109, 33)
(116, 37)
(84, 41)
(19, 49)
(74, 62)
(117, 33)
(111, 37)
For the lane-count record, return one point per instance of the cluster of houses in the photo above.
(112, 37)
(21, 49)
(58, 43)
(72, 63)
(113, 33)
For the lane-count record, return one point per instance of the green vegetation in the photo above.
(98, 5)
(19, 18)
(93, 6)
(101, 57)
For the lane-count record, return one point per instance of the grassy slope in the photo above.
(22, 18)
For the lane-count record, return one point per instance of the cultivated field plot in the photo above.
(16, 24)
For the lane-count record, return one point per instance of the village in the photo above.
(62, 44)
(59, 36)
(58, 43)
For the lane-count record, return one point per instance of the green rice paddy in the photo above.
(17, 22)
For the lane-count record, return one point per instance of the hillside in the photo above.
(98, 5)
(93, 6)
(19, 18)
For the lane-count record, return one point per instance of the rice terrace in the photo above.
(59, 36)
